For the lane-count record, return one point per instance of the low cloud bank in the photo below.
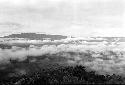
(101, 58)
(22, 53)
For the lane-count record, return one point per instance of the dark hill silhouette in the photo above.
(34, 36)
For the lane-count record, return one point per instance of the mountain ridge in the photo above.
(35, 36)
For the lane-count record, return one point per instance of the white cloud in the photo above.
(78, 57)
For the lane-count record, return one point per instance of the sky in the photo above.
(78, 18)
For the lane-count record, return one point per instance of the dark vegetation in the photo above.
(63, 75)
(46, 70)
(5, 46)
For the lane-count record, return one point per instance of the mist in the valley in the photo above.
(103, 60)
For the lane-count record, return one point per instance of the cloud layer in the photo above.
(100, 58)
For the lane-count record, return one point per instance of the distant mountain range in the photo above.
(44, 36)
(35, 36)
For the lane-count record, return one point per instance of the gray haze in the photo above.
(68, 17)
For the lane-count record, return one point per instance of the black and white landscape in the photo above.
(62, 42)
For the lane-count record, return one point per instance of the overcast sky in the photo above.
(68, 17)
